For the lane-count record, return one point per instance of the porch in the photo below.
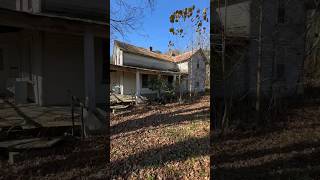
(44, 58)
(134, 81)
(29, 120)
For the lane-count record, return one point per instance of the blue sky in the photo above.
(155, 25)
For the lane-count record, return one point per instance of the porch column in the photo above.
(121, 82)
(89, 68)
(138, 89)
(38, 67)
(180, 89)
(174, 81)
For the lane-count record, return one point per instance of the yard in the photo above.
(287, 149)
(172, 142)
(168, 141)
(150, 142)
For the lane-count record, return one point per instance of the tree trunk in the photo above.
(258, 84)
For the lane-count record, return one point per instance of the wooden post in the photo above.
(137, 86)
(258, 85)
(180, 89)
(121, 82)
(89, 67)
(223, 66)
(72, 114)
(82, 122)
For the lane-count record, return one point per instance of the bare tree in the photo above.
(126, 16)
(258, 84)
(189, 20)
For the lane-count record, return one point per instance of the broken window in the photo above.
(145, 80)
(1, 60)
(280, 71)
(104, 61)
(281, 12)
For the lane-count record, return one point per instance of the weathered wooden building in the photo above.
(133, 67)
(283, 27)
(49, 48)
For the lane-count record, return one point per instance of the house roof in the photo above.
(184, 56)
(145, 52)
(51, 23)
(142, 51)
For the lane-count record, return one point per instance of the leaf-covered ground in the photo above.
(172, 142)
(150, 142)
(162, 142)
(288, 149)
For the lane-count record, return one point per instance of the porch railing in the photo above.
(75, 101)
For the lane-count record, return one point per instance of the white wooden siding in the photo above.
(146, 62)
(238, 18)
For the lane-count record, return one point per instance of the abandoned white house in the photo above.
(277, 27)
(133, 67)
(51, 47)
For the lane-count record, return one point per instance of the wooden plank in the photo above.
(33, 143)
(7, 144)
(41, 143)
(117, 107)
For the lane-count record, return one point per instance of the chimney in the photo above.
(150, 48)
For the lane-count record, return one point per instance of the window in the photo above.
(280, 71)
(197, 84)
(104, 62)
(1, 60)
(281, 12)
(170, 79)
(198, 65)
(144, 78)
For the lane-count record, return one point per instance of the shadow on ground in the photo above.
(288, 151)
(158, 119)
(156, 157)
